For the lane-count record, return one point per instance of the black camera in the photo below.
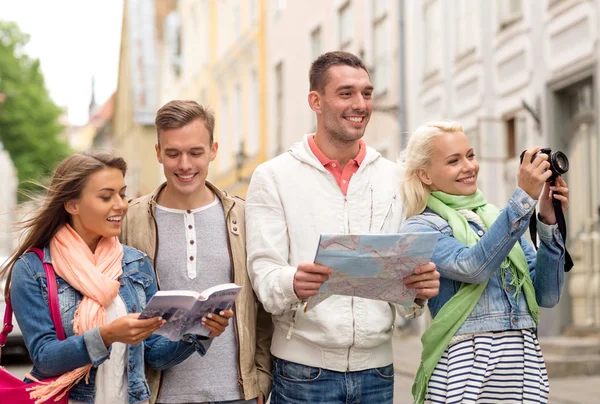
(559, 163)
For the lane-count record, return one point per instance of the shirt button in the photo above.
(190, 227)
(134, 307)
(235, 229)
(526, 205)
(514, 321)
(480, 232)
(343, 181)
(508, 289)
(189, 211)
(234, 221)
(192, 242)
(121, 282)
(333, 165)
(191, 258)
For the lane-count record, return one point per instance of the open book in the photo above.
(184, 309)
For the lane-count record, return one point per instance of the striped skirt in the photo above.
(494, 367)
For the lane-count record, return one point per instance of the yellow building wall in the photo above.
(132, 141)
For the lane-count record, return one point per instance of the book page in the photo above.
(217, 302)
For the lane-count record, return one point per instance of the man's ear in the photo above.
(213, 150)
(424, 177)
(157, 148)
(314, 101)
(72, 207)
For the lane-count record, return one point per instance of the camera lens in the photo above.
(559, 162)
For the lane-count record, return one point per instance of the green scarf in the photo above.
(454, 313)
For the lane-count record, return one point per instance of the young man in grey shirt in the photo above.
(194, 234)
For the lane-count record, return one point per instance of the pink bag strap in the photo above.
(53, 304)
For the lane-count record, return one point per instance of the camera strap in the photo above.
(562, 227)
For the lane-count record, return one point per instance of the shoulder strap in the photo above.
(53, 304)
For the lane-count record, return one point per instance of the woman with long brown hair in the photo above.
(102, 287)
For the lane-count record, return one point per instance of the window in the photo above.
(173, 39)
(224, 148)
(316, 46)
(432, 36)
(278, 6)
(236, 17)
(346, 28)
(254, 102)
(381, 55)
(380, 8)
(237, 119)
(279, 111)
(252, 11)
(466, 28)
(511, 138)
(509, 11)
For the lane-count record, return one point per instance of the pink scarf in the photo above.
(95, 276)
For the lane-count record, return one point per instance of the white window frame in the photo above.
(381, 51)
(432, 37)
(466, 27)
(509, 12)
(345, 25)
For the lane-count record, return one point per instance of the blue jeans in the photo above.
(299, 384)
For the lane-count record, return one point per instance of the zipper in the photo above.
(346, 217)
(353, 334)
(235, 325)
(390, 210)
(371, 215)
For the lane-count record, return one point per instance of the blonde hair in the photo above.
(417, 156)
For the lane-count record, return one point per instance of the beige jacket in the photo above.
(253, 326)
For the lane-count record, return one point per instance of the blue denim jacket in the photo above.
(497, 308)
(51, 357)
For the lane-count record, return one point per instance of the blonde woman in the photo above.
(482, 345)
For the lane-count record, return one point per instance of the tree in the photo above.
(29, 127)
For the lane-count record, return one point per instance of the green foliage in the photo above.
(29, 127)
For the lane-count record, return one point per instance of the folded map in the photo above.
(372, 266)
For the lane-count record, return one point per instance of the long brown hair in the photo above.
(68, 181)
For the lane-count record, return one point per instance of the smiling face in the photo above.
(453, 167)
(345, 105)
(99, 210)
(185, 154)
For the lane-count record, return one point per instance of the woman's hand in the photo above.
(558, 191)
(216, 324)
(533, 174)
(129, 329)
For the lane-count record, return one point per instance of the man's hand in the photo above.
(217, 324)
(260, 399)
(308, 279)
(426, 280)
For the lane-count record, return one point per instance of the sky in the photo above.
(74, 40)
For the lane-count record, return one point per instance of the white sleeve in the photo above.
(268, 245)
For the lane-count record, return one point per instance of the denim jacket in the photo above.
(497, 309)
(52, 357)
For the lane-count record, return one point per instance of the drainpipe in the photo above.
(401, 77)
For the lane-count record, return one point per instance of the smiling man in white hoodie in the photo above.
(329, 182)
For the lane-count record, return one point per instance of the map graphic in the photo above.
(372, 266)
